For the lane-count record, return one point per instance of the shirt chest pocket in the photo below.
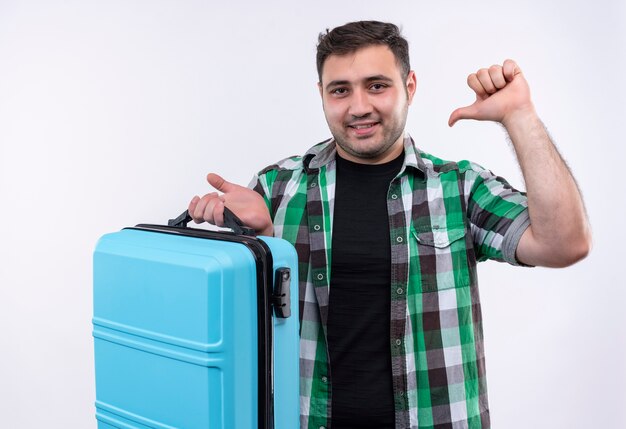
(439, 256)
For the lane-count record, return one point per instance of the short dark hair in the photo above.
(356, 35)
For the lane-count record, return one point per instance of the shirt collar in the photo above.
(325, 152)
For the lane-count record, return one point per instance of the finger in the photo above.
(496, 73)
(510, 70)
(219, 183)
(485, 81)
(209, 210)
(198, 214)
(474, 83)
(214, 212)
(192, 205)
(218, 213)
(468, 112)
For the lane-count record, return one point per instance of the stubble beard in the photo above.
(389, 138)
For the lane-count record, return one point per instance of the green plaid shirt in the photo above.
(444, 217)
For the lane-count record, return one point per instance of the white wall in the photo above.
(112, 112)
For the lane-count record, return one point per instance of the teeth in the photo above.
(360, 127)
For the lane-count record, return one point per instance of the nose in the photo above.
(360, 104)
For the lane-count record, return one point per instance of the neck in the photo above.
(389, 155)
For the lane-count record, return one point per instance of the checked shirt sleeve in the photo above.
(259, 184)
(498, 215)
(273, 184)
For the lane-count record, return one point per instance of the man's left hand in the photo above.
(502, 93)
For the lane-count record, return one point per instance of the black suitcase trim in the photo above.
(264, 270)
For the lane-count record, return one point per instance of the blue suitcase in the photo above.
(195, 329)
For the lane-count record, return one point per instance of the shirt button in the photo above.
(320, 276)
(322, 427)
(402, 393)
(399, 290)
(399, 239)
(394, 197)
(398, 342)
(313, 185)
(317, 227)
(324, 379)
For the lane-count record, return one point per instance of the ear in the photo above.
(411, 85)
(319, 87)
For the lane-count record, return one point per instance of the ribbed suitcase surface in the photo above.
(180, 338)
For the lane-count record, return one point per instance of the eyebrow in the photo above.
(378, 78)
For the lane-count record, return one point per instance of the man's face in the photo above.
(366, 101)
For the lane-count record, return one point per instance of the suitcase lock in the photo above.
(281, 299)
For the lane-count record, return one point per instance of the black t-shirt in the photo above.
(360, 297)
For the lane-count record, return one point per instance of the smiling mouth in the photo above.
(363, 126)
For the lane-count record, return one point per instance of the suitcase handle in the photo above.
(230, 221)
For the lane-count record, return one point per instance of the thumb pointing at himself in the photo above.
(501, 91)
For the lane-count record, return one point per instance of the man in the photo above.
(388, 237)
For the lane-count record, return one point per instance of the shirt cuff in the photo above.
(512, 237)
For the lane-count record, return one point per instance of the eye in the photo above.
(377, 87)
(340, 91)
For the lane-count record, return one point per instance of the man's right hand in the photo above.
(245, 203)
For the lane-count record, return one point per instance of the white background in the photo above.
(112, 113)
